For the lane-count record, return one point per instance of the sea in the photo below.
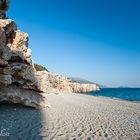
(130, 94)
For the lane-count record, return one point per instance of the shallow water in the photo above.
(131, 94)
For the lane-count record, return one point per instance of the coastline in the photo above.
(113, 98)
(125, 94)
(74, 116)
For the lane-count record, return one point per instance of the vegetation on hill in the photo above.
(39, 67)
(80, 80)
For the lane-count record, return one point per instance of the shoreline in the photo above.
(114, 98)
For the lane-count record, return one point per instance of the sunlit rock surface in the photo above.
(16, 68)
(56, 83)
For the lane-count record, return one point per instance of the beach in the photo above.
(72, 117)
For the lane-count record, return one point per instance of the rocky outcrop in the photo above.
(17, 73)
(56, 83)
(4, 5)
(17, 95)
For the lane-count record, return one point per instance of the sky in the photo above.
(98, 40)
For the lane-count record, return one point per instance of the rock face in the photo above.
(4, 5)
(55, 83)
(17, 95)
(17, 71)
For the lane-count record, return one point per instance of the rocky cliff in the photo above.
(18, 77)
(56, 83)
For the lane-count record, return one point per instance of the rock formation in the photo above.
(18, 77)
(56, 83)
(4, 5)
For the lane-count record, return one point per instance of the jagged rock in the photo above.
(5, 80)
(5, 71)
(56, 83)
(4, 5)
(3, 63)
(18, 80)
(31, 98)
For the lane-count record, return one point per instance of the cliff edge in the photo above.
(18, 80)
(55, 83)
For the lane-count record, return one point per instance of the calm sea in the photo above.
(131, 94)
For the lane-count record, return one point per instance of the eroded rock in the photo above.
(16, 95)
(56, 83)
(18, 80)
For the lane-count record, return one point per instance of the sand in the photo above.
(72, 117)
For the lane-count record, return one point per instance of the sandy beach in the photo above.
(72, 117)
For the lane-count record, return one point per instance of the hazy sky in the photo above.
(98, 40)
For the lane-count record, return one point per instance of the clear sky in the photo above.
(98, 40)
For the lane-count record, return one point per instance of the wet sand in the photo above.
(72, 117)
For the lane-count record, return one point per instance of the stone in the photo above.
(18, 95)
(4, 5)
(51, 82)
(5, 70)
(3, 63)
(5, 80)
(19, 82)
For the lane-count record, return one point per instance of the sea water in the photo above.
(131, 94)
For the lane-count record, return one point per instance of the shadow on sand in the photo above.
(18, 122)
